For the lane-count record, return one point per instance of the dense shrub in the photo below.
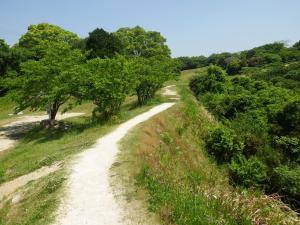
(223, 144)
(290, 146)
(260, 113)
(214, 81)
(289, 118)
(287, 182)
(248, 172)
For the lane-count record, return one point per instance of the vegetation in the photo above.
(47, 83)
(254, 141)
(103, 44)
(183, 186)
(138, 42)
(258, 138)
(59, 66)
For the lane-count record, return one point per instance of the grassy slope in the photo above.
(40, 147)
(183, 185)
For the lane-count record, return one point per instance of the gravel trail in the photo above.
(89, 199)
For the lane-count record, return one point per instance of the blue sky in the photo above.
(192, 27)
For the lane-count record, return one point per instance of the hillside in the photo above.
(110, 129)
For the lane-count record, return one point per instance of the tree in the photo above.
(4, 57)
(233, 65)
(47, 83)
(40, 37)
(297, 45)
(289, 118)
(150, 75)
(192, 62)
(214, 81)
(138, 42)
(106, 82)
(4, 62)
(103, 44)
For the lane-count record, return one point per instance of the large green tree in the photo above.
(151, 73)
(47, 83)
(4, 57)
(106, 82)
(138, 42)
(4, 62)
(103, 44)
(40, 37)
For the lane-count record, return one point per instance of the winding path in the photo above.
(89, 199)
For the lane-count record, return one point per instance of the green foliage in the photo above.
(150, 74)
(4, 62)
(297, 45)
(223, 145)
(290, 146)
(287, 182)
(41, 36)
(248, 172)
(193, 62)
(4, 57)
(234, 65)
(103, 44)
(138, 42)
(289, 118)
(214, 81)
(106, 82)
(259, 109)
(45, 84)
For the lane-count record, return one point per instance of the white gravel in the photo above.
(89, 199)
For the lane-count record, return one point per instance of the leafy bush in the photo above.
(214, 81)
(289, 118)
(287, 182)
(248, 173)
(290, 146)
(223, 144)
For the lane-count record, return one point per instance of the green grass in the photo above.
(166, 159)
(38, 200)
(40, 147)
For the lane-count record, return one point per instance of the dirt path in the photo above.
(89, 199)
(11, 186)
(9, 131)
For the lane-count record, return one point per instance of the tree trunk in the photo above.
(52, 111)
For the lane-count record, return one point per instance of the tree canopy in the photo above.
(45, 84)
(103, 44)
(138, 42)
(39, 38)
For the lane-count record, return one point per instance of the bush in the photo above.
(287, 182)
(223, 144)
(290, 146)
(214, 81)
(289, 118)
(248, 173)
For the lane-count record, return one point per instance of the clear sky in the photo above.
(192, 27)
